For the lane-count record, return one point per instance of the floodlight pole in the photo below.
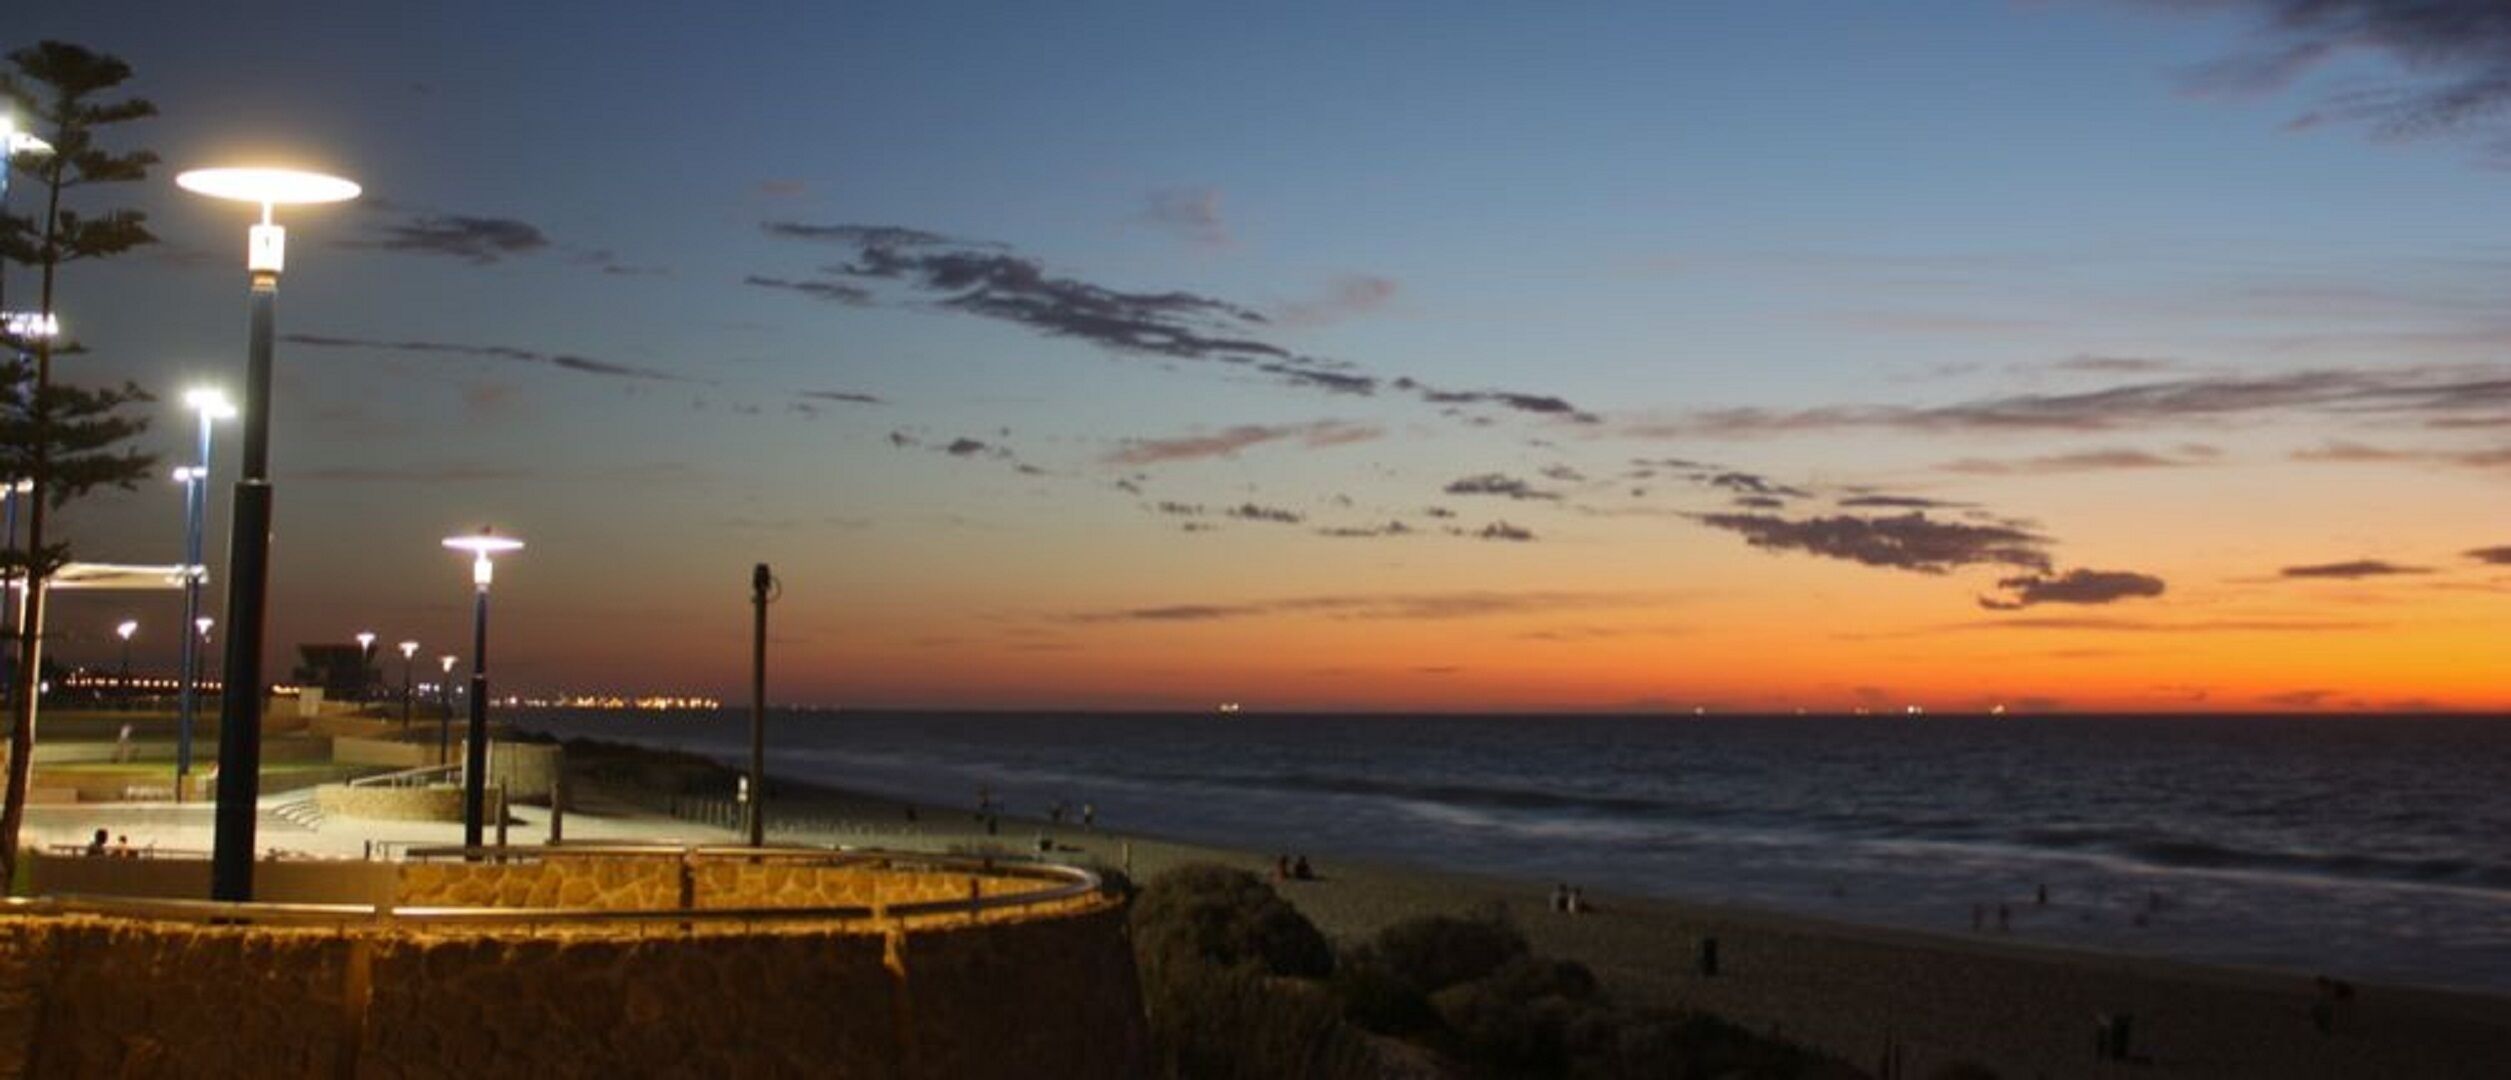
(248, 573)
(760, 581)
(475, 745)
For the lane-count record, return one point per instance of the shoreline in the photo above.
(1855, 990)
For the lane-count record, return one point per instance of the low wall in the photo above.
(1020, 992)
(441, 802)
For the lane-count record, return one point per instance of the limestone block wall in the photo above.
(529, 771)
(439, 803)
(1042, 996)
(637, 884)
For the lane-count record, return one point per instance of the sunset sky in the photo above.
(2081, 354)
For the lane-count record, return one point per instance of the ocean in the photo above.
(2369, 848)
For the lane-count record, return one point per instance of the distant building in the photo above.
(341, 670)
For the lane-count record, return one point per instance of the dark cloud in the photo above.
(987, 281)
(839, 395)
(1354, 532)
(1897, 502)
(1760, 502)
(2117, 365)
(904, 441)
(1749, 484)
(835, 292)
(1228, 441)
(964, 446)
(1909, 541)
(2498, 556)
(2432, 391)
(1501, 530)
(2072, 587)
(564, 361)
(1174, 508)
(1253, 512)
(1193, 213)
(1563, 474)
(860, 235)
(2086, 461)
(1496, 484)
(609, 262)
(2455, 56)
(481, 240)
(2354, 569)
(1439, 512)
(2345, 452)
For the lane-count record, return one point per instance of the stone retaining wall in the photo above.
(1025, 992)
(438, 803)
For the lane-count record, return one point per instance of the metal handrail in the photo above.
(1071, 882)
(406, 777)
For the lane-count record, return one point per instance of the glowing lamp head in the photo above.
(211, 403)
(30, 325)
(446, 662)
(268, 187)
(266, 250)
(203, 624)
(14, 141)
(408, 650)
(481, 545)
(128, 628)
(365, 640)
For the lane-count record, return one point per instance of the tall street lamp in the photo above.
(365, 661)
(408, 649)
(444, 712)
(213, 406)
(475, 752)
(125, 630)
(248, 545)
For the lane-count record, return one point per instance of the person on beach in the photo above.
(1089, 815)
(1281, 868)
(1301, 871)
(122, 750)
(96, 845)
(1560, 898)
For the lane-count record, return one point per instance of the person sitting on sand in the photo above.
(96, 846)
(1281, 868)
(1560, 898)
(1301, 871)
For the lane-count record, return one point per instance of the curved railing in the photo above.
(1057, 883)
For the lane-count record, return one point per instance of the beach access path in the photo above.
(1866, 994)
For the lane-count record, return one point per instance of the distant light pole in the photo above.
(248, 545)
(444, 716)
(475, 752)
(125, 630)
(213, 406)
(365, 653)
(408, 649)
(13, 494)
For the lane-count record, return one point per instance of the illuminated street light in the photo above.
(213, 406)
(444, 716)
(248, 550)
(128, 628)
(408, 649)
(365, 650)
(475, 753)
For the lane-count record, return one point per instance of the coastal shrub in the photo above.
(1224, 917)
(1434, 952)
(1227, 970)
(1526, 1017)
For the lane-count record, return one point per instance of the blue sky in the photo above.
(1649, 213)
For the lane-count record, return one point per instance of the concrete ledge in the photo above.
(435, 803)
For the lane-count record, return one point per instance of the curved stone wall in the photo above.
(1034, 991)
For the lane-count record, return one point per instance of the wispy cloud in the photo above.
(845, 396)
(1255, 512)
(1910, 541)
(1503, 531)
(2455, 56)
(2423, 392)
(2351, 570)
(2072, 587)
(987, 281)
(1347, 298)
(585, 365)
(2496, 556)
(1508, 487)
(1229, 441)
(480, 240)
(2087, 461)
(1190, 212)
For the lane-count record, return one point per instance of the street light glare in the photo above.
(268, 186)
(210, 402)
(128, 628)
(483, 543)
(409, 649)
(20, 142)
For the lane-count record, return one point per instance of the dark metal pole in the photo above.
(195, 500)
(475, 751)
(760, 579)
(248, 570)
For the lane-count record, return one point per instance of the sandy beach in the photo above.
(1862, 993)
(1859, 992)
